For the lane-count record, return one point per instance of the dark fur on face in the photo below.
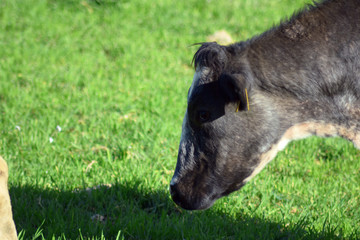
(301, 78)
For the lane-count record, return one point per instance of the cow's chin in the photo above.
(233, 188)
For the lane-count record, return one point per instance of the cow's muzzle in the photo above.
(189, 201)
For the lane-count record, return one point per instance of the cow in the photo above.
(248, 100)
(7, 225)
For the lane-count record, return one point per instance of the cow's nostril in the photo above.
(173, 188)
(176, 196)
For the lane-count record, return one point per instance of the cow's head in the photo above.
(222, 140)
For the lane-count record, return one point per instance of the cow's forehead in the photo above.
(201, 76)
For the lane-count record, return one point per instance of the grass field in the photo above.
(92, 96)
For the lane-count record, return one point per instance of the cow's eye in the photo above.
(204, 116)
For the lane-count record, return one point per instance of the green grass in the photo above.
(114, 76)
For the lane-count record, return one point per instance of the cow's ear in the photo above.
(237, 89)
(212, 56)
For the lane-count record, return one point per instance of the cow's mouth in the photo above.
(195, 205)
(199, 201)
(188, 202)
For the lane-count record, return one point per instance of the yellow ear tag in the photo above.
(238, 107)
(247, 101)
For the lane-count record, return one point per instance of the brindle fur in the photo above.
(302, 77)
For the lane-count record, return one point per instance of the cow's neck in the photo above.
(323, 116)
(298, 121)
(316, 92)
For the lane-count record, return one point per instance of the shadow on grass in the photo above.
(138, 214)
